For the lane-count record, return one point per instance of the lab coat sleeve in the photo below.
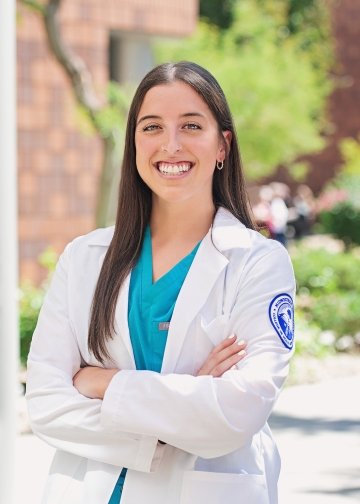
(208, 416)
(58, 413)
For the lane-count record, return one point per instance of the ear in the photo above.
(224, 145)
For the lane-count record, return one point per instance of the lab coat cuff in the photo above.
(111, 408)
(149, 453)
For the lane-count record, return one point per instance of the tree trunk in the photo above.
(82, 85)
(109, 183)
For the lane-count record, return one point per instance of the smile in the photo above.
(174, 169)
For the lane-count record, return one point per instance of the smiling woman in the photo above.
(163, 344)
(181, 144)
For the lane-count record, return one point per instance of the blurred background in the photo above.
(291, 73)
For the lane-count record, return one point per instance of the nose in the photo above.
(171, 144)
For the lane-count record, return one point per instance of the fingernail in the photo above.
(232, 336)
(242, 342)
(241, 353)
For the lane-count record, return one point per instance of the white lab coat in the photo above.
(219, 447)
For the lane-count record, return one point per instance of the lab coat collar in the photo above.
(228, 232)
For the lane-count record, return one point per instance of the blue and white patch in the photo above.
(281, 313)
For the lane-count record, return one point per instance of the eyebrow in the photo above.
(187, 114)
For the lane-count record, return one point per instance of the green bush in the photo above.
(343, 221)
(328, 293)
(339, 203)
(31, 299)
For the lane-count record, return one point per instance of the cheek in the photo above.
(210, 145)
(145, 149)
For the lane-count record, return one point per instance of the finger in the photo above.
(227, 364)
(217, 357)
(224, 344)
(209, 364)
(225, 353)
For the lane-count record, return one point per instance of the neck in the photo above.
(177, 221)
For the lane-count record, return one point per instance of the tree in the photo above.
(218, 12)
(106, 116)
(276, 92)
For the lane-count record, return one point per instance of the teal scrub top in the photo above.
(150, 308)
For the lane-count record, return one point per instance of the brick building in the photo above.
(58, 164)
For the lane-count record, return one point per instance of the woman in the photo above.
(135, 374)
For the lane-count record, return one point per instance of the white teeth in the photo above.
(173, 169)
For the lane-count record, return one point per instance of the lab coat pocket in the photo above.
(202, 487)
(217, 329)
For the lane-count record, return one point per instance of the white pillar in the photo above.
(8, 251)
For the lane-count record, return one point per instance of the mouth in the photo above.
(174, 169)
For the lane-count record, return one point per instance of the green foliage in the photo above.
(343, 221)
(30, 302)
(311, 20)
(308, 337)
(328, 295)
(31, 299)
(342, 218)
(110, 119)
(275, 90)
(218, 12)
(350, 150)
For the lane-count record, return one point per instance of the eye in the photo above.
(151, 127)
(192, 126)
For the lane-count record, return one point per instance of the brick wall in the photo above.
(58, 158)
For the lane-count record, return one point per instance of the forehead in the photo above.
(176, 98)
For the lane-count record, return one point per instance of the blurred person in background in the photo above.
(279, 212)
(304, 207)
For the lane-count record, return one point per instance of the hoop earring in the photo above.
(219, 165)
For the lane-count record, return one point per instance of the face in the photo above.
(177, 144)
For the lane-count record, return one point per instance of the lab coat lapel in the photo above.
(122, 334)
(205, 270)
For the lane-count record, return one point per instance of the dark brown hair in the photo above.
(134, 204)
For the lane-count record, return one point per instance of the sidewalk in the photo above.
(317, 429)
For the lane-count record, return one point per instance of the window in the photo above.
(130, 57)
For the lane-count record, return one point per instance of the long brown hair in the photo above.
(134, 204)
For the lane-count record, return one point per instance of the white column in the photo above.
(8, 251)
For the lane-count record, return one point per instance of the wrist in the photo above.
(104, 381)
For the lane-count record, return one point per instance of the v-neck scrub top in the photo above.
(150, 308)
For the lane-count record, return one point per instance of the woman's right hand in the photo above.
(223, 357)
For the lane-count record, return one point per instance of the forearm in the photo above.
(206, 416)
(71, 422)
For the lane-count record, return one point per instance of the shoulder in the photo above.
(98, 237)
(255, 263)
(248, 252)
(232, 238)
(96, 241)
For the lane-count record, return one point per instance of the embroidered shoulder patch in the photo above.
(281, 313)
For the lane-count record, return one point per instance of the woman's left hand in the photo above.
(93, 381)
